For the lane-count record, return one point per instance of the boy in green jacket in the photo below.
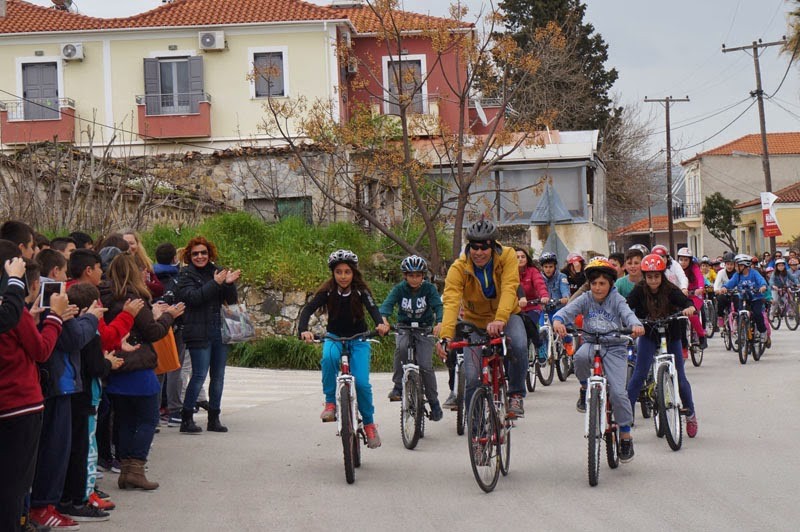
(418, 303)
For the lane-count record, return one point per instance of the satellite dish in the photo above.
(63, 5)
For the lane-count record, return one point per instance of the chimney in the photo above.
(2, 8)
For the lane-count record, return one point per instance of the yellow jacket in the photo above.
(463, 290)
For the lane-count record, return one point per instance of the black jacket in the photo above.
(12, 301)
(203, 298)
(677, 302)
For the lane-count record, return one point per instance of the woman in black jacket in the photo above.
(204, 287)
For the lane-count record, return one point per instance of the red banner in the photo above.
(771, 227)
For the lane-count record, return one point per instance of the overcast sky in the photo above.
(661, 49)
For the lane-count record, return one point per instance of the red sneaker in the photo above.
(50, 517)
(691, 426)
(97, 502)
(329, 413)
(373, 439)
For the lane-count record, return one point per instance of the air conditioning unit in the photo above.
(352, 65)
(211, 40)
(347, 39)
(72, 51)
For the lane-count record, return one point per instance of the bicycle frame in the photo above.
(411, 365)
(598, 378)
(667, 358)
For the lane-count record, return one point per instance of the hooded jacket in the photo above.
(423, 305)
(462, 289)
(61, 373)
(611, 314)
(532, 282)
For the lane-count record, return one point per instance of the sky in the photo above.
(661, 49)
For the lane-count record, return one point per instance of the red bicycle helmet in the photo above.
(660, 250)
(654, 263)
(574, 257)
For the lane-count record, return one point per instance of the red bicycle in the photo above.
(488, 426)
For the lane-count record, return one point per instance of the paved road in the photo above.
(279, 468)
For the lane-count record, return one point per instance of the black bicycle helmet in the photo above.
(413, 263)
(728, 256)
(342, 255)
(548, 257)
(482, 230)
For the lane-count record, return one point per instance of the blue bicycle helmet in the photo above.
(413, 263)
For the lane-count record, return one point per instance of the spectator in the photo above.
(145, 264)
(82, 240)
(52, 265)
(21, 235)
(110, 247)
(133, 388)
(63, 244)
(204, 287)
(41, 242)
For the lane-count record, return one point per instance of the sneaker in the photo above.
(450, 402)
(768, 341)
(329, 413)
(625, 450)
(581, 404)
(373, 438)
(515, 407)
(436, 411)
(542, 352)
(84, 513)
(174, 420)
(49, 516)
(691, 426)
(97, 502)
(163, 419)
(98, 475)
(102, 494)
(703, 343)
(109, 465)
(395, 395)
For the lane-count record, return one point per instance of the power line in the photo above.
(729, 124)
(774, 102)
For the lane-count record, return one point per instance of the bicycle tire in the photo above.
(540, 373)
(741, 333)
(757, 349)
(668, 409)
(357, 447)
(562, 364)
(461, 384)
(411, 412)
(483, 445)
(792, 318)
(659, 428)
(710, 315)
(727, 336)
(777, 315)
(612, 448)
(348, 435)
(504, 431)
(594, 437)
(530, 376)
(697, 355)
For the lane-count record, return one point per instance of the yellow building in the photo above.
(750, 231)
(180, 71)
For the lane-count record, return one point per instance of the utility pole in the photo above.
(759, 93)
(666, 101)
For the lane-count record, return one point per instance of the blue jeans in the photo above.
(359, 368)
(136, 416)
(646, 350)
(516, 365)
(204, 359)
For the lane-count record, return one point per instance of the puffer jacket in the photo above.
(463, 290)
(203, 298)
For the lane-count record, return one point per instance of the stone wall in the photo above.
(275, 312)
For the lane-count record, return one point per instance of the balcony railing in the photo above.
(35, 108)
(686, 210)
(174, 103)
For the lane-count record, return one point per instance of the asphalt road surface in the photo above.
(280, 468)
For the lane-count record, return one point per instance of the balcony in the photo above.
(37, 120)
(423, 114)
(687, 216)
(172, 116)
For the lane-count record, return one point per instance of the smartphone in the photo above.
(48, 289)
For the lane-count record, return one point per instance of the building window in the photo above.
(269, 70)
(173, 85)
(273, 210)
(405, 75)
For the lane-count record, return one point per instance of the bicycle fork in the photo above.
(669, 360)
(408, 368)
(596, 381)
(350, 381)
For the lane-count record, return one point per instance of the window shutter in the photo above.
(152, 88)
(196, 87)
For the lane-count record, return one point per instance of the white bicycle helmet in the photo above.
(413, 263)
(685, 252)
(743, 258)
(342, 255)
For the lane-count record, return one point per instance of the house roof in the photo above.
(790, 194)
(366, 20)
(660, 224)
(777, 144)
(23, 17)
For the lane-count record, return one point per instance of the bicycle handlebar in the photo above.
(460, 344)
(360, 336)
(417, 328)
(594, 337)
(661, 321)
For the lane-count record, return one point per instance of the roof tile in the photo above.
(790, 194)
(660, 223)
(777, 144)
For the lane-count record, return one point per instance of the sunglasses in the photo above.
(199, 253)
(477, 246)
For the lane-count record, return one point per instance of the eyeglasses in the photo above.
(479, 247)
(200, 253)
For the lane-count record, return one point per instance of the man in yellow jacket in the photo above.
(483, 282)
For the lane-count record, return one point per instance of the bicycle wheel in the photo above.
(697, 356)
(727, 337)
(792, 318)
(530, 376)
(411, 412)
(461, 384)
(348, 435)
(668, 409)
(710, 316)
(757, 348)
(595, 437)
(612, 448)
(563, 364)
(357, 446)
(742, 326)
(776, 316)
(504, 431)
(545, 372)
(484, 447)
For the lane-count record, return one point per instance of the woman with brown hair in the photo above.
(133, 388)
(136, 249)
(204, 287)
